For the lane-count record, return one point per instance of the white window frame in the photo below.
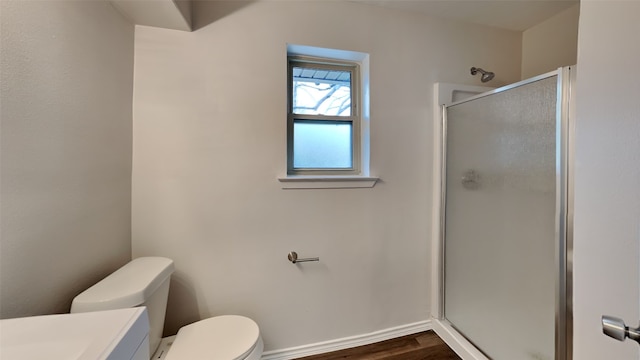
(354, 119)
(362, 179)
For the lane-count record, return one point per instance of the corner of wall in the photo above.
(551, 44)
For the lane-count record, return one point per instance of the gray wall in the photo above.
(551, 44)
(66, 93)
(210, 142)
(607, 174)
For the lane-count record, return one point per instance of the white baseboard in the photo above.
(456, 341)
(348, 342)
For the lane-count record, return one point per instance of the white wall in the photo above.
(66, 92)
(551, 44)
(607, 175)
(209, 142)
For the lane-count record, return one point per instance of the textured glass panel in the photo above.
(500, 267)
(322, 145)
(321, 92)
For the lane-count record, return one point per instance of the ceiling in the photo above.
(516, 15)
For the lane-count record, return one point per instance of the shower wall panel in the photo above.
(500, 266)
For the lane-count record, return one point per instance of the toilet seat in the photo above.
(227, 337)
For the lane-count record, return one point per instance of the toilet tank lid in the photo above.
(129, 286)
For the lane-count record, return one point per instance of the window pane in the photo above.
(325, 145)
(321, 91)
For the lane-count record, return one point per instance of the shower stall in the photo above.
(504, 289)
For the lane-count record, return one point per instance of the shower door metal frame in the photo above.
(565, 112)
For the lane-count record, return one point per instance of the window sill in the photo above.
(327, 182)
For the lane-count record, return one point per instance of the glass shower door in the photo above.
(500, 221)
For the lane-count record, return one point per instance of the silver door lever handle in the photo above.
(616, 328)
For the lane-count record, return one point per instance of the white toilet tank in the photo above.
(142, 282)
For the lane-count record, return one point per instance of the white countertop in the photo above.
(114, 334)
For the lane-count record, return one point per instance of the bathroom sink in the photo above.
(114, 334)
(37, 350)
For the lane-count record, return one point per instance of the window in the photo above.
(323, 124)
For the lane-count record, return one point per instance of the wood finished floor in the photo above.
(421, 346)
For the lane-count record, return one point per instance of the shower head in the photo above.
(486, 75)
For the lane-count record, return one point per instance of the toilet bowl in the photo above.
(145, 282)
(222, 337)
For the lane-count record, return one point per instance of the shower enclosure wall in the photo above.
(504, 267)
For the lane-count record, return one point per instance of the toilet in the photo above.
(145, 282)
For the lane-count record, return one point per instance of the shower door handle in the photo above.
(616, 328)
